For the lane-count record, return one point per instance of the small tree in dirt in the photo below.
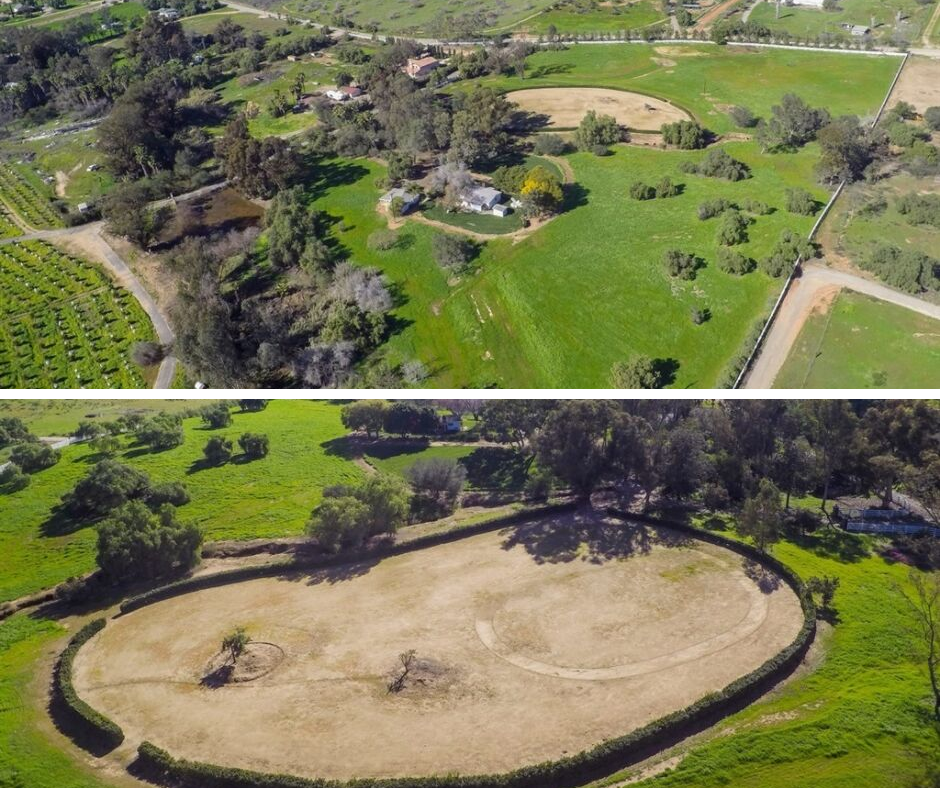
(235, 643)
(923, 600)
(762, 516)
(406, 658)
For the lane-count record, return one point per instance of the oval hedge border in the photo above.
(595, 763)
(91, 729)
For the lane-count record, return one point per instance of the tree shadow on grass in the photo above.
(325, 174)
(584, 536)
(666, 370)
(61, 523)
(495, 468)
(350, 447)
(574, 195)
(549, 71)
(834, 543)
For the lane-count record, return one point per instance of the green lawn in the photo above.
(266, 498)
(812, 22)
(487, 224)
(406, 16)
(487, 467)
(588, 289)
(861, 342)
(707, 80)
(579, 17)
(239, 90)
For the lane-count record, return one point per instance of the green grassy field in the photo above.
(583, 18)
(861, 342)
(861, 719)
(812, 22)
(867, 215)
(64, 323)
(405, 16)
(274, 495)
(706, 80)
(237, 92)
(62, 416)
(487, 467)
(70, 155)
(559, 308)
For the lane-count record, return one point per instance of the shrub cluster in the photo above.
(801, 202)
(685, 134)
(586, 766)
(712, 208)
(680, 264)
(790, 248)
(920, 208)
(717, 164)
(905, 269)
(733, 229)
(665, 188)
(733, 262)
(100, 730)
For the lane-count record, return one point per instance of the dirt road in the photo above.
(817, 284)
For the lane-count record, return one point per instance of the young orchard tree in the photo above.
(762, 516)
(235, 643)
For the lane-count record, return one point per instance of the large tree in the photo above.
(137, 138)
(923, 601)
(761, 517)
(137, 544)
(482, 119)
(573, 443)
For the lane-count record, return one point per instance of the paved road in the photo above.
(816, 282)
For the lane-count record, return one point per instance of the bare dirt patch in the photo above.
(566, 107)
(591, 629)
(919, 84)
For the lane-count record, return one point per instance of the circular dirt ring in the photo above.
(258, 660)
(566, 107)
(590, 628)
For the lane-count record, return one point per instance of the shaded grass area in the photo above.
(861, 342)
(487, 467)
(608, 18)
(266, 498)
(861, 719)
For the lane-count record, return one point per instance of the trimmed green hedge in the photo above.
(189, 584)
(600, 761)
(89, 725)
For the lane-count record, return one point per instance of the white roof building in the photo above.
(481, 199)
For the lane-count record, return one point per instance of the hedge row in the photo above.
(189, 584)
(89, 726)
(589, 765)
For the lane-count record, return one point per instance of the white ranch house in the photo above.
(483, 199)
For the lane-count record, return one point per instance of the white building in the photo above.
(409, 200)
(481, 199)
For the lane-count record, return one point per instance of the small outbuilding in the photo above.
(409, 200)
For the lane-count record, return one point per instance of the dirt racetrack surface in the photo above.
(531, 643)
(566, 107)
